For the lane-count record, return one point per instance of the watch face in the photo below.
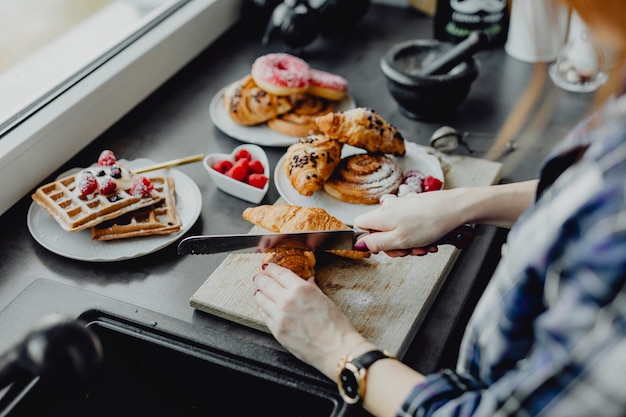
(349, 384)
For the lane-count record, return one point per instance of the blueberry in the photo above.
(116, 172)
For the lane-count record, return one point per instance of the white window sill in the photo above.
(34, 149)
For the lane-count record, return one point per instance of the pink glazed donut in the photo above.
(281, 74)
(327, 85)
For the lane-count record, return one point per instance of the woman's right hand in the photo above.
(409, 225)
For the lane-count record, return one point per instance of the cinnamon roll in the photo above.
(364, 178)
(249, 105)
(300, 120)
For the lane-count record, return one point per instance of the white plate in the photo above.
(79, 245)
(260, 134)
(415, 158)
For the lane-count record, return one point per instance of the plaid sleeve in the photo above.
(577, 363)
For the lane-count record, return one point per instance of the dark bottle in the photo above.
(456, 19)
(294, 22)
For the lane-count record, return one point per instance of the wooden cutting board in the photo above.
(385, 298)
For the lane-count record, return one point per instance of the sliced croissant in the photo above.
(310, 162)
(301, 262)
(285, 218)
(249, 105)
(363, 128)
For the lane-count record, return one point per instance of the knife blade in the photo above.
(263, 242)
(324, 240)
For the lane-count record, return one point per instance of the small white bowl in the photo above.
(231, 186)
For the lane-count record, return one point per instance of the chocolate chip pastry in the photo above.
(310, 162)
(363, 128)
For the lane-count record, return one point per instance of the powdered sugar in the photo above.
(325, 79)
(282, 69)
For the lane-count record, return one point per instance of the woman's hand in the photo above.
(409, 225)
(303, 319)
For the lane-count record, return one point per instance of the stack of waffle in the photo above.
(121, 213)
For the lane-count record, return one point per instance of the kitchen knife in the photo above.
(315, 241)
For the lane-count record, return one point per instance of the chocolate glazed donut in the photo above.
(364, 178)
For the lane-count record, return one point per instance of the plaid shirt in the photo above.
(548, 337)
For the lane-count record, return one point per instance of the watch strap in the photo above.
(367, 359)
(352, 375)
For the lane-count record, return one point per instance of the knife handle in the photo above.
(460, 237)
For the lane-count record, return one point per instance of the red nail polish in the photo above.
(263, 266)
(360, 246)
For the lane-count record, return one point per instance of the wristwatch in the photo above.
(353, 372)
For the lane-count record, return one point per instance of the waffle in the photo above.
(63, 201)
(159, 219)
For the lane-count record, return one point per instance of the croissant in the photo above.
(249, 105)
(301, 262)
(363, 128)
(287, 218)
(311, 161)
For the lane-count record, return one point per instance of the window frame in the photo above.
(31, 150)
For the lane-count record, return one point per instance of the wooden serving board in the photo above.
(385, 298)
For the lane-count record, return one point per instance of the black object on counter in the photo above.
(455, 19)
(294, 22)
(339, 15)
(427, 97)
(62, 351)
(298, 22)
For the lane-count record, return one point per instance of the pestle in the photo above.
(459, 53)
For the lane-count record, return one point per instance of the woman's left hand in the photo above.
(303, 319)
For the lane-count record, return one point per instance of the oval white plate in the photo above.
(415, 158)
(261, 134)
(79, 245)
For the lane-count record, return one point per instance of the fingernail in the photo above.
(256, 292)
(254, 278)
(263, 266)
(360, 246)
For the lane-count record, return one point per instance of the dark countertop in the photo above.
(174, 122)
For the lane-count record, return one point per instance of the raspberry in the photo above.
(238, 172)
(222, 166)
(243, 153)
(107, 186)
(244, 162)
(106, 158)
(257, 180)
(87, 183)
(142, 187)
(431, 183)
(256, 167)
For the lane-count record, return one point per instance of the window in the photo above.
(57, 96)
